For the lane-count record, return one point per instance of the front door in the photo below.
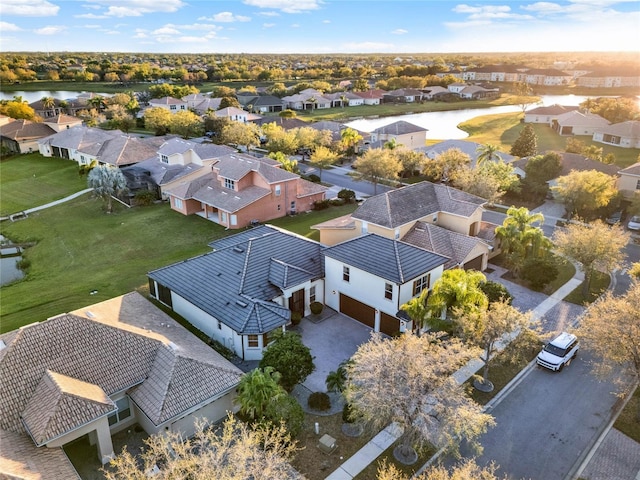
(296, 301)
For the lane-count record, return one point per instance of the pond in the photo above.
(9, 258)
(444, 125)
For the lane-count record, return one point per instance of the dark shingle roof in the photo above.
(395, 261)
(237, 282)
(399, 128)
(413, 202)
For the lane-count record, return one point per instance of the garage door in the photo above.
(389, 324)
(358, 310)
(475, 264)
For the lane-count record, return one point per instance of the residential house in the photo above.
(404, 133)
(48, 111)
(245, 289)
(547, 114)
(546, 76)
(344, 99)
(436, 92)
(578, 123)
(235, 114)
(372, 97)
(194, 99)
(610, 79)
(206, 105)
(22, 136)
(261, 103)
(372, 292)
(466, 147)
(398, 213)
(473, 92)
(308, 99)
(99, 370)
(286, 123)
(241, 190)
(494, 73)
(62, 121)
(173, 105)
(402, 95)
(624, 134)
(629, 180)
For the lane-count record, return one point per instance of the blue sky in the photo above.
(318, 26)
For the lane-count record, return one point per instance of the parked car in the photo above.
(634, 223)
(559, 352)
(614, 218)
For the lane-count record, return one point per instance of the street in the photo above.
(548, 422)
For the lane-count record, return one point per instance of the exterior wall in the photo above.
(103, 435)
(372, 101)
(579, 129)
(628, 185)
(335, 236)
(625, 142)
(475, 252)
(211, 412)
(188, 206)
(458, 223)
(406, 289)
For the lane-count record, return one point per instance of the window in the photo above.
(123, 412)
(638, 185)
(388, 291)
(365, 227)
(219, 325)
(252, 341)
(234, 220)
(421, 284)
(278, 189)
(293, 206)
(164, 158)
(312, 294)
(223, 217)
(177, 202)
(152, 289)
(173, 107)
(278, 207)
(230, 184)
(345, 274)
(164, 295)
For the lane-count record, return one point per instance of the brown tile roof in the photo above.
(25, 129)
(60, 404)
(306, 188)
(21, 459)
(552, 110)
(399, 128)
(575, 161)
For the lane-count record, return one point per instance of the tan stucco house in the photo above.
(97, 371)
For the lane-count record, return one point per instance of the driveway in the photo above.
(333, 339)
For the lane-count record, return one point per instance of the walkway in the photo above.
(50, 204)
(372, 450)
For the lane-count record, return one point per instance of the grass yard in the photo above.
(302, 222)
(79, 249)
(629, 420)
(503, 130)
(31, 180)
(599, 283)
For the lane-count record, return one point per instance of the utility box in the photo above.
(327, 444)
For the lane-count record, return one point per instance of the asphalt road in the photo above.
(339, 176)
(548, 422)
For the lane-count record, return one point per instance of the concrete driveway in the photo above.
(333, 339)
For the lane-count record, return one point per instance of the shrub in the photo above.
(347, 413)
(336, 202)
(23, 264)
(290, 357)
(313, 178)
(321, 205)
(319, 401)
(296, 318)
(316, 308)
(145, 197)
(539, 272)
(288, 410)
(347, 195)
(496, 291)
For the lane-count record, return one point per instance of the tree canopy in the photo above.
(584, 192)
(378, 164)
(526, 144)
(107, 182)
(458, 291)
(290, 358)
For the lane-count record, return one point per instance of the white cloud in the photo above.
(489, 12)
(364, 47)
(91, 26)
(287, 6)
(90, 15)
(400, 31)
(9, 27)
(543, 8)
(227, 17)
(140, 34)
(28, 8)
(50, 30)
(295, 25)
(326, 21)
(166, 30)
(268, 25)
(180, 39)
(137, 8)
(269, 14)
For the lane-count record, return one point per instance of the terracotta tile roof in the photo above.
(60, 404)
(25, 129)
(21, 459)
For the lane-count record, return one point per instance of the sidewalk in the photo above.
(50, 204)
(372, 450)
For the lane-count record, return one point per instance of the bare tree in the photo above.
(467, 470)
(378, 164)
(407, 380)
(229, 452)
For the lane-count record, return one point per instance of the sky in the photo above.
(318, 26)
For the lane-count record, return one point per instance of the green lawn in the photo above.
(31, 180)
(629, 420)
(302, 222)
(503, 129)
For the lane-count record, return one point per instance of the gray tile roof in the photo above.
(237, 166)
(576, 162)
(413, 202)
(212, 193)
(237, 282)
(205, 151)
(552, 110)
(126, 150)
(399, 128)
(85, 139)
(629, 129)
(114, 346)
(631, 169)
(455, 246)
(25, 129)
(392, 260)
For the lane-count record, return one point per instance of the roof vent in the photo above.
(2, 345)
(240, 303)
(172, 346)
(238, 249)
(89, 314)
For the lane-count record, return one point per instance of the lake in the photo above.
(444, 125)
(31, 97)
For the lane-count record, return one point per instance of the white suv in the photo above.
(559, 352)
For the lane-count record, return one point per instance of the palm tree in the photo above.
(418, 311)
(106, 182)
(257, 390)
(391, 144)
(487, 153)
(97, 102)
(337, 379)
(521, 237)
(343, 99)
(349, 138)
(49, 103)
(457, 291)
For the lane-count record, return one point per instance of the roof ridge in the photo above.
(243, 277)
(398, 262)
